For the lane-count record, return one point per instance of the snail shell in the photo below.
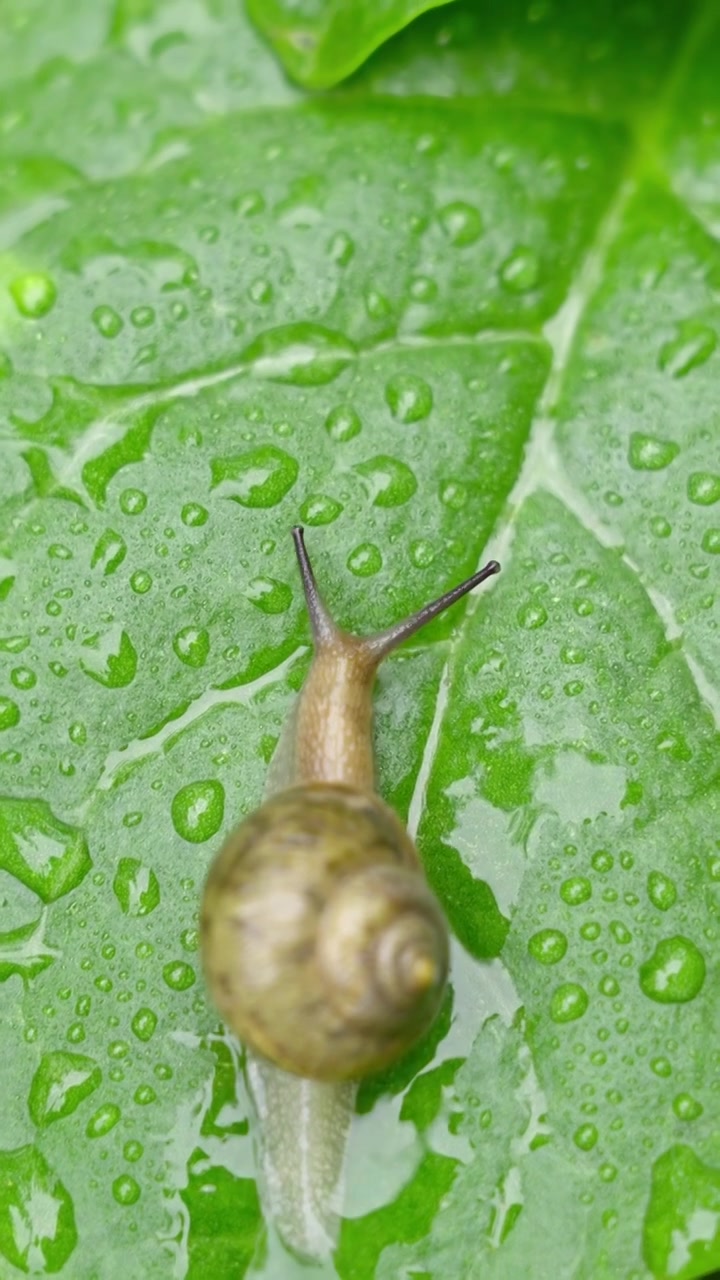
(324, 947)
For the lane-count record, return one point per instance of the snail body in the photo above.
(324, 948)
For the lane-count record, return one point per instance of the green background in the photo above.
(466, 303)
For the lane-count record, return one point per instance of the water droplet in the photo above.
(9, 713)
(674, 973)
(143, 1024)
(194, 515)
(145, 1095)
(136, 888)
(390, 483)
(692, 345)
(103, 1120)
(320, 509)
(178, 975)
(37, 1216)
(661, 1067)
(341, 248)
(107, 322)
(569, 1002)
(461, 223)
(140, 582)
(34, 294)
(585, 1137)
(198, 810)
(409, 398)
(269, 595)
(343, 423)
(422, 553)
(61, 1082)
(142, 317)
(47, 855)
(453, 494)
(647, 453)
(306, 355)
(602, 861)
(711, 542)
(661, 890)
(192, 646)
(110, 551)
(686, 1107)
(660, 527)
(126, 1190)
(703, 488)
(575, 890)
(365, 560)
(260, 478)
(680, 1231)
(133, 1150)
(112, 660)
(531, 616)
(609, 986)
(521, 271)
(590, 931)
(548, 946)
(133, 501)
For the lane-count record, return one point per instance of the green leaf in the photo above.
(322, 41)
(464, 306)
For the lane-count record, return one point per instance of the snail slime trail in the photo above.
(324, 949)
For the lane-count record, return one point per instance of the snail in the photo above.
(324, 949)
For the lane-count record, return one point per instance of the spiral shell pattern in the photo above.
(323, 946)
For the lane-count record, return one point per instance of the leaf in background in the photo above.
(469, 304)
(322, 41)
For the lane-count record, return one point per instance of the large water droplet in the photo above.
(136, 888)
(548, 946)
(34, 294)
(107, 322)
(343, 423)
(409, 398)
(111, 660)
(703, 488)
(365, 560)
(675, 971)
(686, 1107)
(269, 595)
(49, 856)
(692, 345)
(110, 551)
(198, 810)
(143, 1024)
(307, 355)
(390, 482)
(194, 515)
(661, 890)
(521, 271)
(259, 478)
(9, 713)
(60, 1084)
(568, 1003)
(461, 223)
(320, 509)
(192, 646)
(103, 1120)
(575, 890)
(647, 453)
(126, 1190)
(585, 1137)
(37, 1216)
(681, 1231)
(178, 975)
